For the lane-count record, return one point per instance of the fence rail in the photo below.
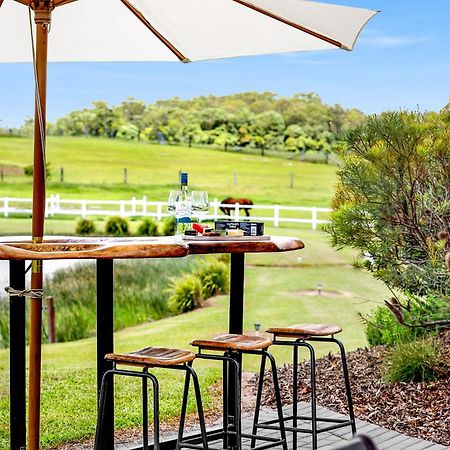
(141, 207)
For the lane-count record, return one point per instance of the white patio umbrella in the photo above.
(150, 30)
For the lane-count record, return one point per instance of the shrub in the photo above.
(412, 361)
(29, 170)
(214, 277)
(392, 203)
(147, 227)
(186, 293)
(168, 226)
(117, 226)
(85, 227)
(383, 328)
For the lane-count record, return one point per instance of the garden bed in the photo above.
(420, 410)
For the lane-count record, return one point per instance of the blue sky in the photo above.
(401, 60)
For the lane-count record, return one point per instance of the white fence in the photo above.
(143, 208)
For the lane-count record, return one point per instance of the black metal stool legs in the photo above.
(314, 430)
(107, 377)
(201, 417)
(280, 421)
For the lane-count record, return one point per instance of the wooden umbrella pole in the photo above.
(42, 20)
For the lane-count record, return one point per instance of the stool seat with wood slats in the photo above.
(228, 349)
(303, 335)
(304, 330)
(150, 358)
(232, 342)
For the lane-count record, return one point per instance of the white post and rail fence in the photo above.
(141, 207)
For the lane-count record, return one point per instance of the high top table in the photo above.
(104, 250)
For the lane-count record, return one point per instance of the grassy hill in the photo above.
(93, 168)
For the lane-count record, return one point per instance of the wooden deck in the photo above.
(384, 438)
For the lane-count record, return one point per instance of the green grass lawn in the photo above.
(275, 294)
(93, 169)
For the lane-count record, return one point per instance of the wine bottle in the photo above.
(183, 206)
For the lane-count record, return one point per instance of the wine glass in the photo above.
(200, 203)
(171, 201)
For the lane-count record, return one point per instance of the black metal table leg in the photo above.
(17, 357)
(105, 343)
(235, 326)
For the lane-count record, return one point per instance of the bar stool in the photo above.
(233, 347)
(150, 358)
(301, 334)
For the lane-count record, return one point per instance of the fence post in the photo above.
(314, 218)
(122, 208)
(83, 209)
(235, 179)
(133, 206)
(2, 174)
(61, 174)
(276, 215)
(51, 320)
(5, 206)
(159, 211)
(292, 180)
(125, 175)
(144, 205)
(236, 212)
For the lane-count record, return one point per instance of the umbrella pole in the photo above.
(42, 20)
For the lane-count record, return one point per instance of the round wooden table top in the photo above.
(67, 247)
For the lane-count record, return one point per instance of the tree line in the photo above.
(298, 123)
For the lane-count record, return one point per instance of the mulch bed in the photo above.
(421, 410)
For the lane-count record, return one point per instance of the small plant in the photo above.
(85, 227)
(214, 277)
(186, 293)
(147, 227)
(168, 226)
(412, 361)
(29, 170)
(117, 226)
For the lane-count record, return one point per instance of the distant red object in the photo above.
(232, 201)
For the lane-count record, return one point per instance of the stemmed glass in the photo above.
(171, 201)
(200, 204)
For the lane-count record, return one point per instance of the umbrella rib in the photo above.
(292, 24)
(165, 41)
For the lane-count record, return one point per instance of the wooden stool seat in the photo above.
(152, 357)
(305, 330)
(233, 342)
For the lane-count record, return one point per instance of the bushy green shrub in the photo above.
(186, 293)
(85, 227)
(168, 226)
(214, 277)
(412, 361)
(384, 329)
(391, 203)
(147, 227)
(117, 226)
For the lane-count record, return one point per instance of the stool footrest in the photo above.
(338, 423)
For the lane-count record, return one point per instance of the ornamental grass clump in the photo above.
(412, 361)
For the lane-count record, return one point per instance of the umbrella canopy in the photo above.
(187, 30)
(149, 30)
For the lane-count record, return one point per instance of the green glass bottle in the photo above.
(183, 209)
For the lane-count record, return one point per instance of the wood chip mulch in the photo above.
(420, 410)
